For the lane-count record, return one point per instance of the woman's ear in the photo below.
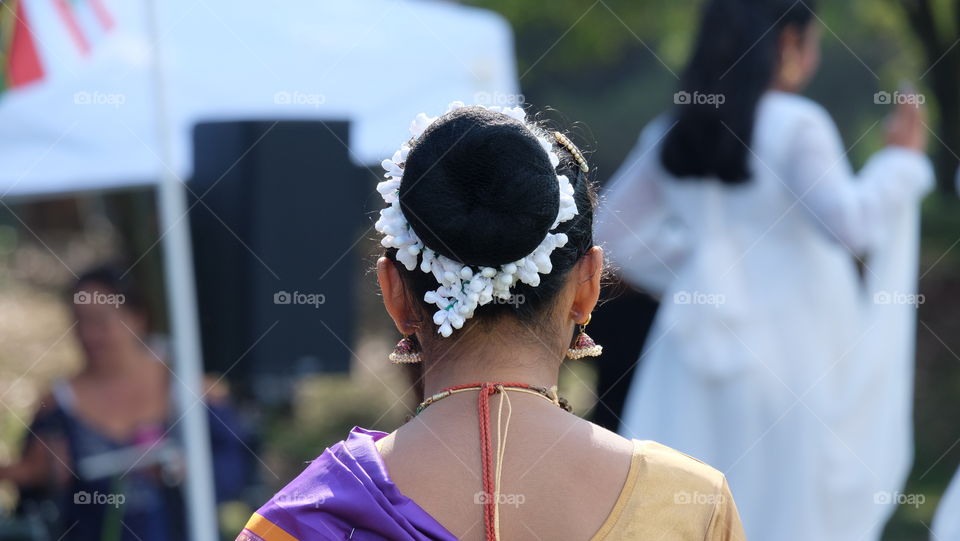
(395, 298)
(588, 272)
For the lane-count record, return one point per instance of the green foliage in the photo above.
(614, 63)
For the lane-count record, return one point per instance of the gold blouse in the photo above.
(671, 496)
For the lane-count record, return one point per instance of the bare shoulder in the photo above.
(609, 441)
(594, 458)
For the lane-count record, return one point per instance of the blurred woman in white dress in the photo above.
(773, 357)
(946, 523)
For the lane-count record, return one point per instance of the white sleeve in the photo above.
(851, 208)
(645, 242)
(946, 521)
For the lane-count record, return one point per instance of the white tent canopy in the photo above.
(90, 123)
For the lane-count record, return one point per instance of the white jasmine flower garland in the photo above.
(463, 288)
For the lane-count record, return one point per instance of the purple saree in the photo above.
(345, 493)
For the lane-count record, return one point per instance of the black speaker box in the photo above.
(277, 210)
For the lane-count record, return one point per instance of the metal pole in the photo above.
(182, 303)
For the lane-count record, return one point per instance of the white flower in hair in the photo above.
(462, 287)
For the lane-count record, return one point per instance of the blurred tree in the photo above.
(615, 63)
(936, 25)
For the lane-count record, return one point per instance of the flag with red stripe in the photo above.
(19, 60)
(85, 21)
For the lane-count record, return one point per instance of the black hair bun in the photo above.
(479, 189)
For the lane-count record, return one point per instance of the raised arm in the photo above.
(853, 208)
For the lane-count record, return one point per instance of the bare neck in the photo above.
(520, 358)
(123, 363)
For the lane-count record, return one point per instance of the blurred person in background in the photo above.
(488, 207)
(100, 448)
(946, 522)
(739, 209)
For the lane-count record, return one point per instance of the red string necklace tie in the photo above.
(490, 475)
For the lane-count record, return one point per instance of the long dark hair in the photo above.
(733, 64)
